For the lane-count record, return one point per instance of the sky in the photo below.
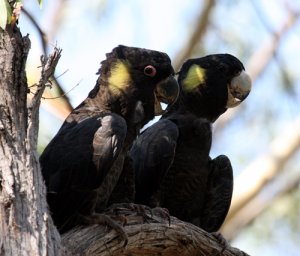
(90, 31)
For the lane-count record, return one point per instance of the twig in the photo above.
(44, 43)
(61, 74)
(48, 68)
(60, 96)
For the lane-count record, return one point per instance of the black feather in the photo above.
(83, 162)
(171, 158)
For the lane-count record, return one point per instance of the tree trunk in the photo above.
(25, 226)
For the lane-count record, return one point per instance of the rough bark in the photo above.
(25, 226)
(151, 234)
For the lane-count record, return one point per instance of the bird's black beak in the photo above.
(238, 89)
(167, 92)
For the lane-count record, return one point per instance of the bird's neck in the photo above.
(200, 109)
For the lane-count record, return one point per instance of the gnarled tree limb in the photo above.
(147, 235)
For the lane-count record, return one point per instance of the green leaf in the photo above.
(5, 11)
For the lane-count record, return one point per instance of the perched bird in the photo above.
(84, 160)
(171, 158)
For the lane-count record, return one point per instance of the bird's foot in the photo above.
(128, 208)
(142, 210)
(162, 212)
(147, 213)
(103, 219)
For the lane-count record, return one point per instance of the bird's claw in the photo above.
(162, 212)
(103, 219)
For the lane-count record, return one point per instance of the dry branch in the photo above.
(48, 65)
(44, 39)
(155, 236)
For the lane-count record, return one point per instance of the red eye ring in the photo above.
(150, 71)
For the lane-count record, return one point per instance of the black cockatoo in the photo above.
(171, 158)
(84, 160)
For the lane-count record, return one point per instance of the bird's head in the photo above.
(138, 76)
(211, 84)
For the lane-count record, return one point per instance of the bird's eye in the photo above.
(150, 71)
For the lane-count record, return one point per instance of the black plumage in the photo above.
(171, 158)
(83, 162)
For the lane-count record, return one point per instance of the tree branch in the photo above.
(155, 236)
(48, 65)
(44, 42)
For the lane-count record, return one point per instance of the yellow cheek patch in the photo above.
(120, 77)
(195, 76)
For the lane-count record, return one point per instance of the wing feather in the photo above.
(152, 154)
(75, 164)
(218, 194)
(80, 155)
